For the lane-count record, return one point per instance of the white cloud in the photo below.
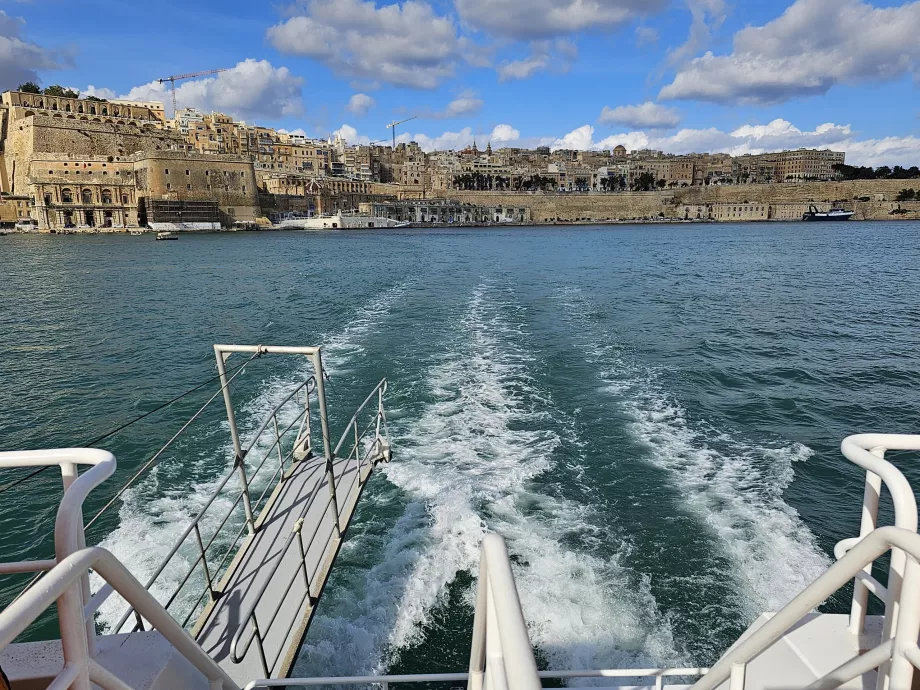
(20, 60)
(253, 89)
(97, 92)
(500, 135)
(813, 46)
(707, 15)
(557, 55)
(359, 104)
(351, 136)
(466, 103)
(646, 115)
(777, 135)
(296, 132)
(404, 45)
(536, 19)
(646, 36)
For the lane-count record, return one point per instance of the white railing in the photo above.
(61, 583)
(281, 447)
(502, 656)
(371, 445)
(899, 655)
(654, 678)
(67, 580)
(894, 656)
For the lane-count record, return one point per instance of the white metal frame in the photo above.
(67, 580)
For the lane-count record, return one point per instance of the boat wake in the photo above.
(471, 463)
(734, 486)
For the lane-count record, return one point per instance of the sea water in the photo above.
(650, 415)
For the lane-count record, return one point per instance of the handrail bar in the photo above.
(213, 497)
(446, 677)
(382, 389)
(268, 418)
(69, 534)
(866, 551)
(54, 586)
(868, 452)
(501, 646)
(237, 655)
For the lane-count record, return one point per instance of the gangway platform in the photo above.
(260, 572)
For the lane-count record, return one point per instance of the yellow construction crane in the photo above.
(179, 77)
(393, 124)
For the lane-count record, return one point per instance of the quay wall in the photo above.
(870, 199)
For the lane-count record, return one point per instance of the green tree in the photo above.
(95, 98)
(29, 87)
(644, 182)
(61, 92)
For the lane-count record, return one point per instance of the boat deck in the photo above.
(284, 611)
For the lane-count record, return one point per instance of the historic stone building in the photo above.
(228, 180)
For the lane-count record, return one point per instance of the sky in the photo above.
(678, 75)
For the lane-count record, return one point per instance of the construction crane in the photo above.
(393, 124)
(179, 77)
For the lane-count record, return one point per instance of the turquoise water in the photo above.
(651, 415)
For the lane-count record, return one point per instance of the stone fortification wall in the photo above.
(228, 180)
(871, 199)
(40, 134)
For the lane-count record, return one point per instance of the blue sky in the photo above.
(682, 75)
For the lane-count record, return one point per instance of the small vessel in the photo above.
(834, 214)
(167, 236)
(135, 232)
(338, 221)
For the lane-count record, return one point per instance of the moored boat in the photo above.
(167, 236)
(833, 214)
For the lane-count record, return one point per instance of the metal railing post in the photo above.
(317, 360)
(868, 523)
(204, 563)
(235, 436)
(255, 625)
(357, 452)
(298, 527)
(278, 444)
(69, 474)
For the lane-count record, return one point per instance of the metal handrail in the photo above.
(69, 534)
(79, 668)
(257, 632)
(900, 652)
(868, 451)
(659, 674)
(502, 656)
(239, 470)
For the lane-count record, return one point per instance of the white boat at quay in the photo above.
(339, 221)
(260, 573)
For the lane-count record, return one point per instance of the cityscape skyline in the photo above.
(683, 77)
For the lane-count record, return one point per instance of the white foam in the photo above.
(471, 459)
(734, 486)
(152, 518)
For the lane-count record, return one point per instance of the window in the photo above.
(166, 171)
(188, 172)
(50, 172)
(87, 196)
(244, 189)
(188, 187)
(106, 196)
(168, 186)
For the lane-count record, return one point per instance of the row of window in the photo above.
(86, 197)
(188, 187)
(206, 172)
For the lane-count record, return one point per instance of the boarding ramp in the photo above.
(258, 554)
